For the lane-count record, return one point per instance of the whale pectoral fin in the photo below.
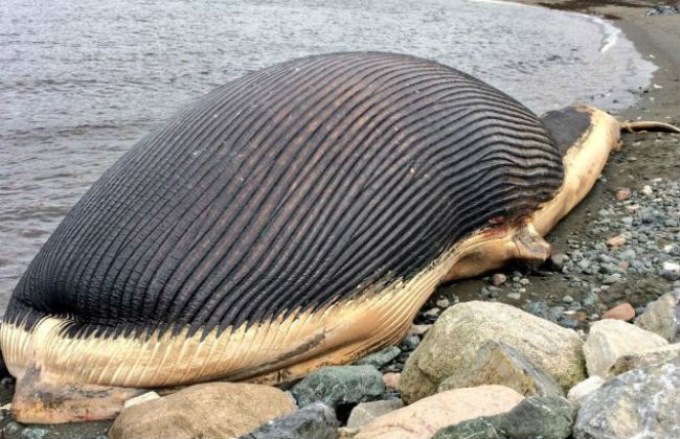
(37, 399)
(530, 245)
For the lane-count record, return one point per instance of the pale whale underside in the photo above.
(290, 189)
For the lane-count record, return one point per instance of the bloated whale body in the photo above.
(295, 217)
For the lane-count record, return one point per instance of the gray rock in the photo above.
(665, 10)
(33, 433)
(480, 428)
(535, 417)
(549, 417)
(411, 342)
(365, 412)
(662, 316)
(11, 428)
(500, 363)
(316, 421)
(450, 347)
(337, 385)
(642, 403)
(380, 358)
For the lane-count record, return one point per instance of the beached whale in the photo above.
(296, 217)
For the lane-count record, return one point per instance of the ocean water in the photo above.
(81, 81)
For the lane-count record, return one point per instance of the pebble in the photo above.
(498, 279)
(33, 433)
(567, 299)
(616, 241)
(623, 311)
(432, 312)
(671, 270)
(623, 194)
(380, 358)
(411, 342)
(11, 427)
(513, 296)
(443, 303)
(419, 329)
(391, 380)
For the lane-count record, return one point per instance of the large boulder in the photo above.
(450, 348)
(209, 411)
(422, 419)
(316, 421)
(610, 340)
(335, 385)
(642, 403)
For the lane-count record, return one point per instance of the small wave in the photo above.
(611, 33)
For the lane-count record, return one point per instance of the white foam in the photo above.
(611, 33)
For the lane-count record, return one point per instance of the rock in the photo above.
(148, 396)
(535, 417)
(365, 412)
(584, 388)
(316, 421)
(616, 241)
(337, 385)
(609, 340)
(549, 417)
(499, 363)
(443, 303)
(478, 428)
(424, 418)
(671, 270)
(419, 329)
(623, 194)
(212, 410)
(662, 317)
(33, 433)
(513, 296)
(10, 428)
(557, 261)
(642, 403)
(665, 10)
(498, 279)
(450, 347)
(380, 358)
(411, 342)
(623, 311)
(652, 357)
(391, 380)
(347, 433)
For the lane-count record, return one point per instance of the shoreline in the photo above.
(656, 38)
(643, 158)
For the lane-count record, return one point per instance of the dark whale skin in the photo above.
(288, 189)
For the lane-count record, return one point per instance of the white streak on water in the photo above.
(611, 33)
